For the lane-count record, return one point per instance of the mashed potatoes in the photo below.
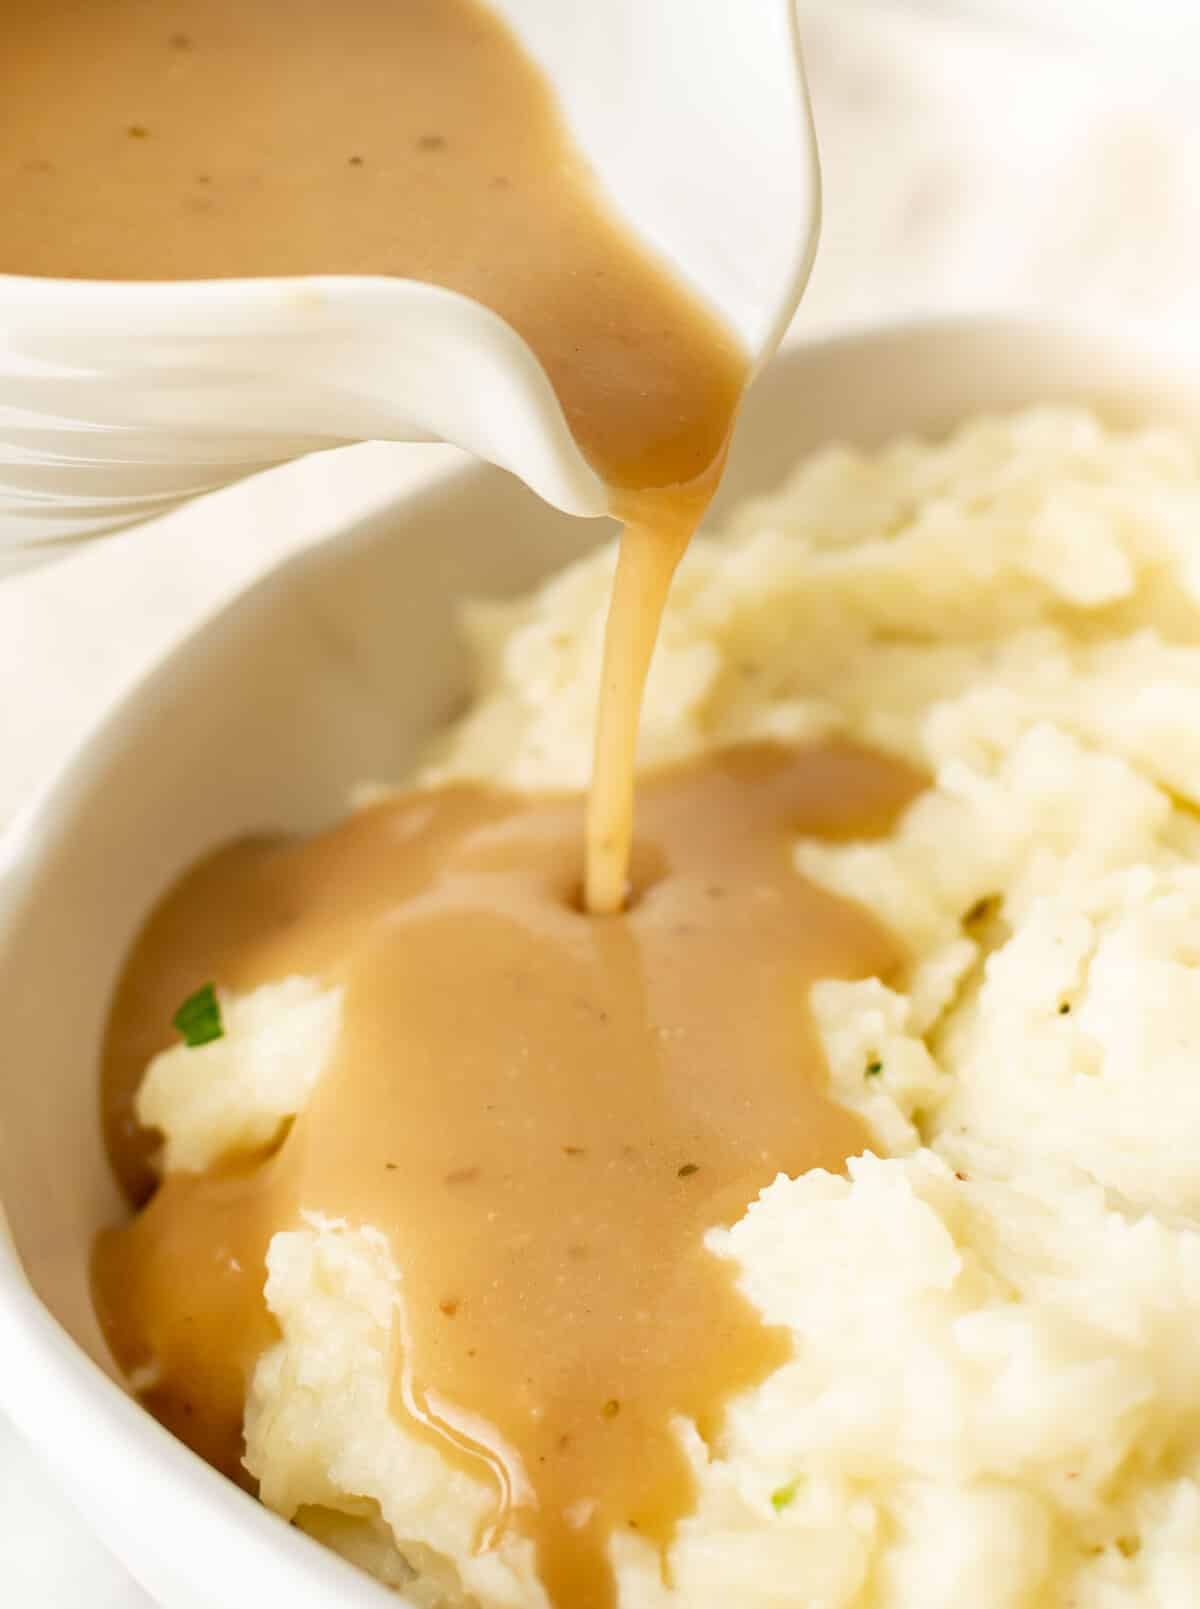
(995, 1393)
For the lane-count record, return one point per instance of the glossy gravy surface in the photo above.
(543, 1110)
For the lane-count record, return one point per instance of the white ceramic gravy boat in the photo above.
(118, 401)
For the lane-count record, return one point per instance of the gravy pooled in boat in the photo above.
(543, 1110)
(214, 139)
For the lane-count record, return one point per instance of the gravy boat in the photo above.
(119, 401)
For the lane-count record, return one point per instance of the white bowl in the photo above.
(331, 669)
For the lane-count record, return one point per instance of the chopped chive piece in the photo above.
(783, 1496)
(873, 1069)
(198, 1019)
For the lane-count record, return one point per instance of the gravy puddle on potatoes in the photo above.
(572, 1100)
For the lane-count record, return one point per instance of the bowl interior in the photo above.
(333, 669)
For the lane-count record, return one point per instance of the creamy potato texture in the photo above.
(994, 1397)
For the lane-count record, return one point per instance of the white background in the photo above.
(968, 165)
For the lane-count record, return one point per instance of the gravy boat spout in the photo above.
(119, 401)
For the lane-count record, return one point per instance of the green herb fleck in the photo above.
(688, 1169)
(199, 1018)
(873, 1069)
(783, 1495)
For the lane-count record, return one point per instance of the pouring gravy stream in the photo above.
(571, 1095)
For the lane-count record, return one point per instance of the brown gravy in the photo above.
(571, 1100)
